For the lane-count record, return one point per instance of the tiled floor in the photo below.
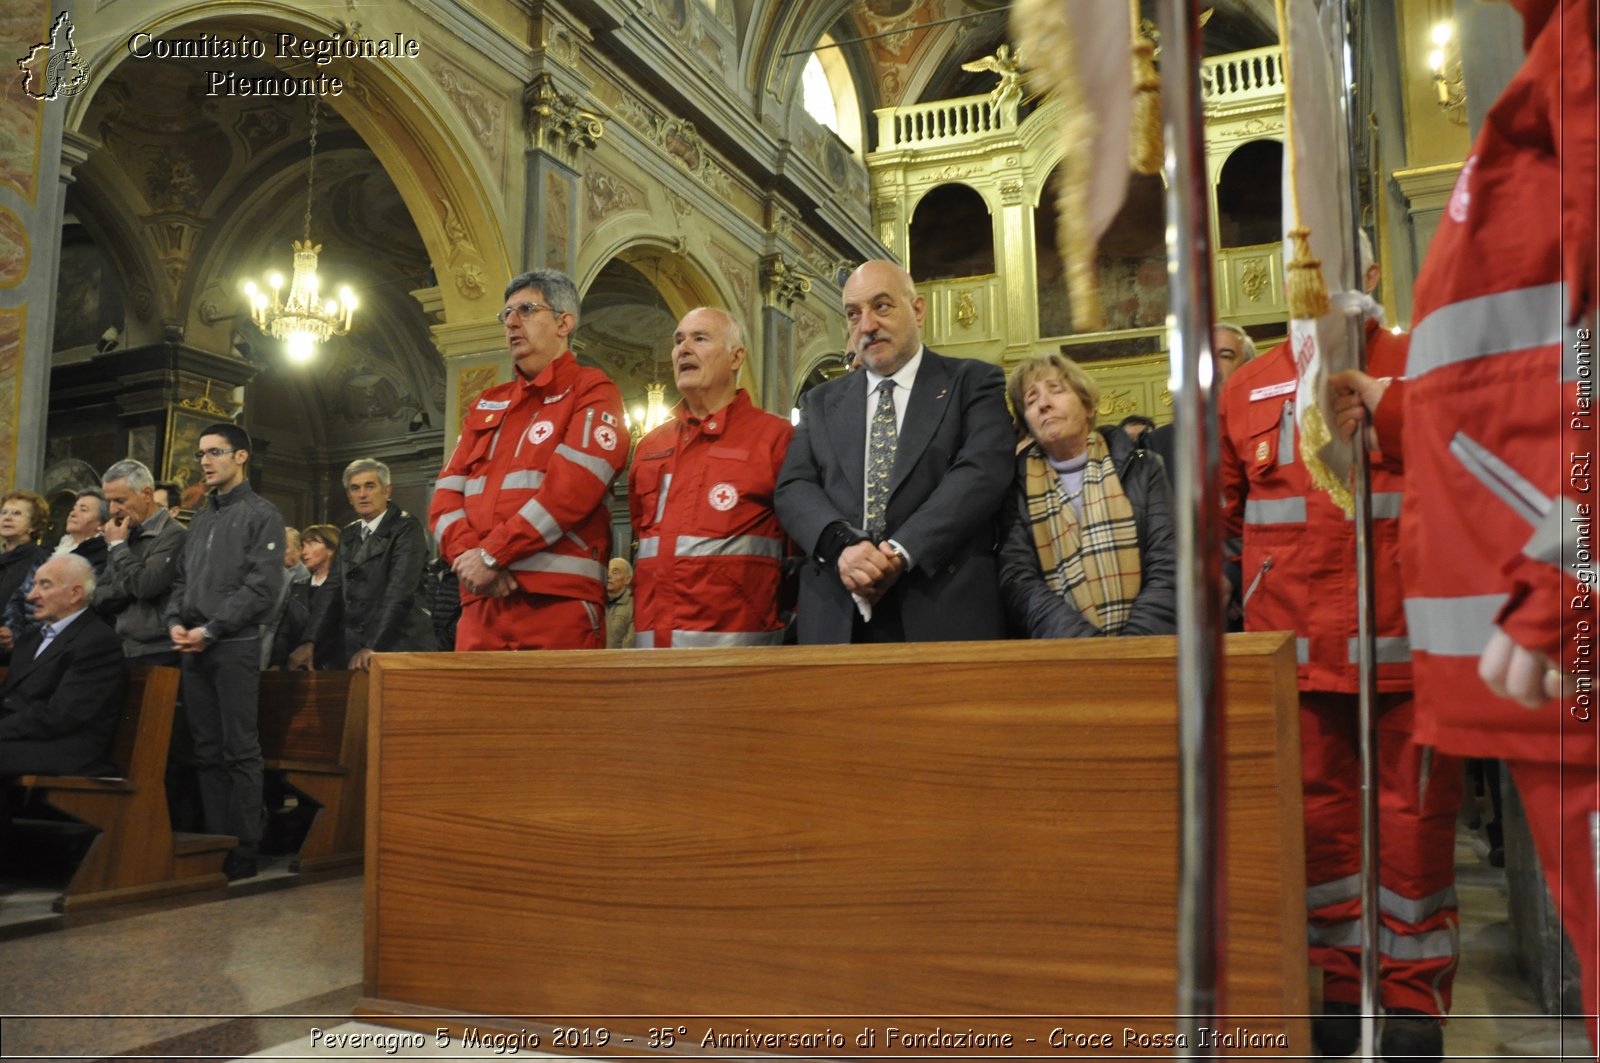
(256, 973)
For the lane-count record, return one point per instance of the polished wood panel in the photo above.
(313, 728)
(135, 856)
(926, 830)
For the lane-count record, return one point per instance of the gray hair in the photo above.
(136, 474)
(1247, 346)
(366, 465)
(100, 497)
(556, 288)
(79, 571)
(735, 330)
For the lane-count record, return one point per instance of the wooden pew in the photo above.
(136, 855)
(984, 832)
(313, 728)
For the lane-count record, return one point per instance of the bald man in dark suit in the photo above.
(893, 491)
(63, 693)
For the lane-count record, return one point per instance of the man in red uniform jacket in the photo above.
(1299, 571)
(710, 545)
(520, 508)
(1495, 420)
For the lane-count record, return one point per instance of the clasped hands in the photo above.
(869, 569)
(479, 578)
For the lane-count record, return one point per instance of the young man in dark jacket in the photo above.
(230, 573)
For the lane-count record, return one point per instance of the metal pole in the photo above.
(1366, 629)
(1201, 850)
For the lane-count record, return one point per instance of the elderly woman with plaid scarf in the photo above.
(1088, 544)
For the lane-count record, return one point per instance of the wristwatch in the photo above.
(487, 558)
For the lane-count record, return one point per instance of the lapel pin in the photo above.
(942, 393)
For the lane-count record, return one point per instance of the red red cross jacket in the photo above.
(1497, 409)
(1299, 557)
(528, 479)
(710, 546)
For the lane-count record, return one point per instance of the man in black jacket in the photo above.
(63, 692)
(142, 545)
(229, 575)
(375, 589)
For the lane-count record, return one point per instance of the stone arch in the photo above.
(399, 116)
(682, 281)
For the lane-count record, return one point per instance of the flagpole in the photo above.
(1202, 855)
(1366, 619)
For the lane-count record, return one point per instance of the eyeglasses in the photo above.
(213, 452)
(522, 310)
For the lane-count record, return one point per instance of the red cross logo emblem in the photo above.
(724, 497)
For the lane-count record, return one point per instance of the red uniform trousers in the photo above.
(1416, 853)
(523, 621)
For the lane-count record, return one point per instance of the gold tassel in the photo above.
(1314, 435)
(1308, 295)
(1144, 138)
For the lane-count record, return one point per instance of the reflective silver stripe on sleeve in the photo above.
(1302, 651)
(447, 519)
(522, 480)
(1490, 324)
(1500, 479)
(475, 486)
(693, 640)
(733, 546)
(661, 501)
(649, 547)
(1452, 627)
(1275, 510)
(570, 566)
(451, 483)
(1392, 649)
(601, 469)
(1340, 889)
(540, 518)
(1414, 911)
(644, 640)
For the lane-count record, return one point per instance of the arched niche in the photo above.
(1131, 264)
(1250, 195)
(951, 234)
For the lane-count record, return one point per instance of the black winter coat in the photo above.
(375, 591)
(1035, 611)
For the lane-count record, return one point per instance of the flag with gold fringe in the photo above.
(1083, 50)
(1318, 231)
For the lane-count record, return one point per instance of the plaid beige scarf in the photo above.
(1093, 563)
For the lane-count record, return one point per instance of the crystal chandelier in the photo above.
(653, 414)
(302, 320)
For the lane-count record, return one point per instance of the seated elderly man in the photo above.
(63, 693)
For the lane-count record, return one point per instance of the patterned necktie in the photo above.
(880, 460)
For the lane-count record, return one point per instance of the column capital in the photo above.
(781, 284)
(555, 122)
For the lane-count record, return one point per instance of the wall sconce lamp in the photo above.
(1444, 61)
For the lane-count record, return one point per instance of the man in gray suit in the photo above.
(894, 480)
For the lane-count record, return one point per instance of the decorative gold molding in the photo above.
(781, 284)
(555, 122)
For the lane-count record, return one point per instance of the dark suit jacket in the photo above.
(375, 589)
(58, 713)
(952, 472)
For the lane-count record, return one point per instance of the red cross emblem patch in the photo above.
(723, 497)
